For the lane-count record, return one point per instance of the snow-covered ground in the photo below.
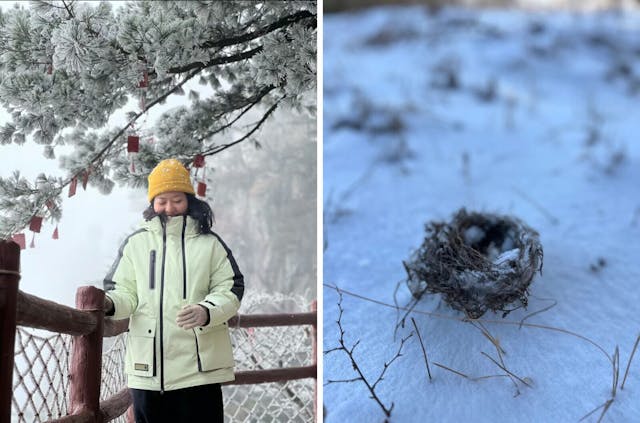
(534, 115)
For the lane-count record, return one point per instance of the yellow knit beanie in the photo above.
(169, 175)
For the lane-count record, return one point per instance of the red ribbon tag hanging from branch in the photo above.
(202, 189)
(20, 240)
(133, 144)
(72, 186)
(55, 233)
(198, 161)
(50, 204)
(85, 179)
(36, 224)
(33, 241)
(50, 69)
(144, 83)
(202, 186)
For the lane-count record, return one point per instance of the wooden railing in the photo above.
(88, 326)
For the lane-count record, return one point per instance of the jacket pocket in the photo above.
(152, 269)
(141, 347)
(213, 345)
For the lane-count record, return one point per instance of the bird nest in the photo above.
(477, 262)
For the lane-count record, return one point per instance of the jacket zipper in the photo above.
(197, 350)
(164, 254)
(184, 260)
(184, 288)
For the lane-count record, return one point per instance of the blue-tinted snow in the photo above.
(554, 143)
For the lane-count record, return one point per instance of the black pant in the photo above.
(195, 404)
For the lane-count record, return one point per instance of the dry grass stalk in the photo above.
(626, 372)
(554, 220)
(613, 359)
(524, 382)
(451, 370)
(538, 312)
(500, 351)
(615, 365)
(424, 351)
(606, 406)
(488, 377)
(478, 325)
(616, 372)
(464, 319)
(475, 379)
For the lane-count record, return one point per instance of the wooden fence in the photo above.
(88, 326)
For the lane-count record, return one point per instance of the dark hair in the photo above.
(198, 209)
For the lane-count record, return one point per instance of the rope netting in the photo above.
(269, 348)
(41, 375)
(114, 378)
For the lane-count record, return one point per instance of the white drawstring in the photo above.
(9, 272)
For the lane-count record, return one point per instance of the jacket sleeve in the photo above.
(226, 285)
(120, 284)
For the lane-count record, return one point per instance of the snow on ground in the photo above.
(533, 115)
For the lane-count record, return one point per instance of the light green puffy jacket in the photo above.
(160, 268)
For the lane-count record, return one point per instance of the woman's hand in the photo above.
(192, 315)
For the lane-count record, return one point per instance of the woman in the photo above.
(178, 283)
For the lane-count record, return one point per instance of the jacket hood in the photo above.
(174, 225)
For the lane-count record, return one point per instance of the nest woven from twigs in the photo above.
(477, 262)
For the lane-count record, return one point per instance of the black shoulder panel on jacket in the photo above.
(238, 279)
(109, 283)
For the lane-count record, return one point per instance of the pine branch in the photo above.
(252, 103)
(96, 71)
(217, 149)
(280, 23)
(97, 158)
(69, 11)
(238, 57)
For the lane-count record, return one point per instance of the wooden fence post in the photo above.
(314, 308)
(86, 357)
(9, 278)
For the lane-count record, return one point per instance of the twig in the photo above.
(626, 372)
(355, 379)
(400, 323)
(395, 357)
(349, 351)
(219, 148)
(424, 351)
